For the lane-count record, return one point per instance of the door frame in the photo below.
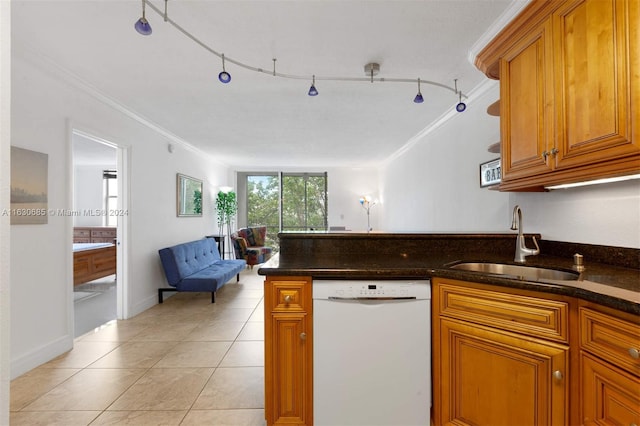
(123, 165)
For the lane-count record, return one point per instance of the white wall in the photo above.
(88, 183)
(46, 106)
(5, 177)
(607, 214)
(433, 187)
(345, 188)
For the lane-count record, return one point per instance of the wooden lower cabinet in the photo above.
(288, 351)
(610, 366)
(610, 396)
(489, 375)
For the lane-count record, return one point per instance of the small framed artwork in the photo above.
(189, 191)
(490, 173)
(29, 187)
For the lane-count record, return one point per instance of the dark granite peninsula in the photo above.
(611, 276)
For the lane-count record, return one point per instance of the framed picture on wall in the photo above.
(29, 187)
(490, 173)
(189, 196)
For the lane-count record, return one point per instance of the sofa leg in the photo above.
(213, 297)
(238, 278)
(161, 291)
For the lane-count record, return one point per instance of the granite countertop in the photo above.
(614, 286)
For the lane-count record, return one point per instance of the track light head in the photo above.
(224, 76)
(142, 25)
(461, 105)
(312, 90)
(418, 99)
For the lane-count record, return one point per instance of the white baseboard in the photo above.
(146, 303)
(40, 355)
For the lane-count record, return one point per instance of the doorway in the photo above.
(98, 177)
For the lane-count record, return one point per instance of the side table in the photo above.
(220, 241)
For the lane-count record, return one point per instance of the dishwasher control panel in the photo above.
(370, 289)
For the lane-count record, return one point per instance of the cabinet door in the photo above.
(591, 48)
(610, 396)
(288, 351)
(288, 384)
(494, 378)
(526, 105)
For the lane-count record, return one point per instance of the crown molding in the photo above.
(507, 16)
(55, 70)
(474, 94)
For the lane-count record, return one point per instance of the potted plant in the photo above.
(226, 207)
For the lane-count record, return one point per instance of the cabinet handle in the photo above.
(557, 375)
(287, 299)
(544, 155)
(635, 354)
(554, 151)
(303, 336)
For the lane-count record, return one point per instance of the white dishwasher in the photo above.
(371, 352)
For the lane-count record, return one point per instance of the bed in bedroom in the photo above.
(92, 261)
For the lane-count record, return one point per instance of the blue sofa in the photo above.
(197, 266)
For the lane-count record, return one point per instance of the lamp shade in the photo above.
(142, 26)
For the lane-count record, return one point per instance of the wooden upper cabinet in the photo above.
(526, 105)
(592, 75)
(569, 80)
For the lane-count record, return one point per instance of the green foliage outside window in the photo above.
(303, 207)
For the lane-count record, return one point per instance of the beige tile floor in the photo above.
(184, 362)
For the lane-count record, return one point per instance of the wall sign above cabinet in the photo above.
(490, 173)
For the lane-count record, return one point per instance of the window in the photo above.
(262, 204)
(284, 202)
(110, 191)
(304, 202)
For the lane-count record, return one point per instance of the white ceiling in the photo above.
(260, 120)
(89, 152)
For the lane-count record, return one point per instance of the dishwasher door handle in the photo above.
(372, 298)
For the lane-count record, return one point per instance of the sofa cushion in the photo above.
(212, 277)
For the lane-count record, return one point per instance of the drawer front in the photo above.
(103, 240)
(103, 233)
(528, 315)
(104, 262)
(81, 265)
(612, 339)
(82, 232)
(289, 296)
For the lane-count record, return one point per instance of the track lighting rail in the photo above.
(371, 78)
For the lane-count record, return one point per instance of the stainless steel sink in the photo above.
(530, 273)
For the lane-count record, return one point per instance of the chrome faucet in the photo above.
(521, 248)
